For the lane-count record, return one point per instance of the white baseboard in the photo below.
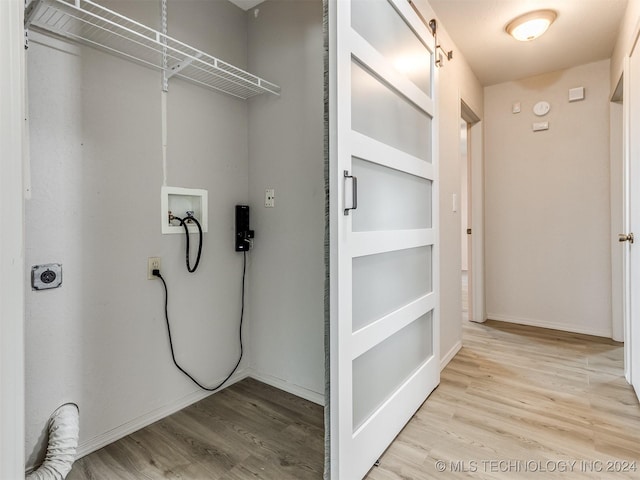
(478, 321)
(553, 326)
(104, 439)
(288, 387)
(444, 361)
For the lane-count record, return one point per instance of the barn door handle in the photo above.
(354, 193)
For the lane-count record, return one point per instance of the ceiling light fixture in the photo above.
(531, 25)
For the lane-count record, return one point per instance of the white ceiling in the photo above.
(585, 31)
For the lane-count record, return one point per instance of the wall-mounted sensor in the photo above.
(576, 94)
(541, 108)
(46, 276)
(244, 234)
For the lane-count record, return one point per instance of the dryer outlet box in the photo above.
(44, 277)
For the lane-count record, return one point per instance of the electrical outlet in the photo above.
(270, 198)
(153, 264)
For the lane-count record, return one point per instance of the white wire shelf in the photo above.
(88, 23)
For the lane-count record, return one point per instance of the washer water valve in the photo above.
(46, 276)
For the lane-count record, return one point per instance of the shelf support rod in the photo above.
(163, 23)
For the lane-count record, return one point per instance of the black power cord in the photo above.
(166, 316)
(183, 222)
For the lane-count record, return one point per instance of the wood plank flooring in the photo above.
(514, 398)
(247, 431)
(522, 402)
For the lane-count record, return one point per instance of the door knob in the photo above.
(625, 238)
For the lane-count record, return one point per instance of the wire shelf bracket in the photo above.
(91, 24)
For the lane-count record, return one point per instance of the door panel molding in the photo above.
(384, 423)
(372, 150)
(371, 335)
(369, 57)
(373, 243)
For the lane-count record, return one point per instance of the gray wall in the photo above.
(96, 169)
(548, 257)
(286, 153)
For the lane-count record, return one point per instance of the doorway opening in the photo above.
(465, 220)
(471, 216)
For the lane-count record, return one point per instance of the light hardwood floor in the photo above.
(518, 398)
(515, 397)
(247, 431)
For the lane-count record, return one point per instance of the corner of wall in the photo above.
(628, 33)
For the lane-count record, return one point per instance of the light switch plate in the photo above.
(46, 276)
(539, 126)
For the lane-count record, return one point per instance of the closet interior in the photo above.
(128, 97)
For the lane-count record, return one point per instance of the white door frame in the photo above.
(477, 312)
(632, 215)
(629, 292)
(626, 274)
(12, 114)
(617, 199)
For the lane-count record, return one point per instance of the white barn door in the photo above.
(384, 252)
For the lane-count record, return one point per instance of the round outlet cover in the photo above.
(46, 276)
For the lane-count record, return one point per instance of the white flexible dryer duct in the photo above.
(64, 426)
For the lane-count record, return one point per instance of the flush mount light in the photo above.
(531, 25)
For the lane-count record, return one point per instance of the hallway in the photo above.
(518, 398)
